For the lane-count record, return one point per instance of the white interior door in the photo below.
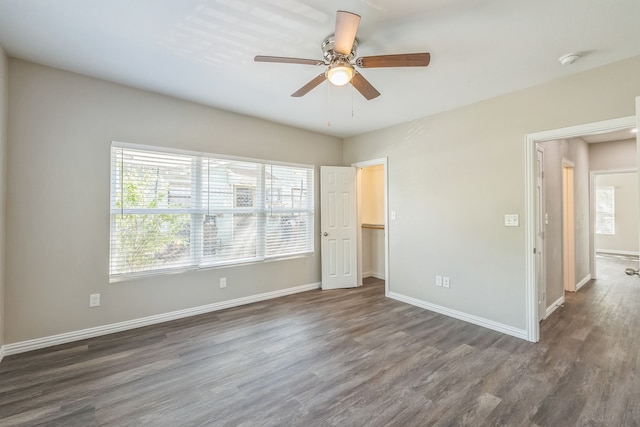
(541, 282)
(338, 225)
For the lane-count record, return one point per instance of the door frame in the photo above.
(531, 291)
(359, 165)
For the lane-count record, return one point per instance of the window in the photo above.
(179, 210)
(605, 210)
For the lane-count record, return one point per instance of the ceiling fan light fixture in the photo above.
(340, 73)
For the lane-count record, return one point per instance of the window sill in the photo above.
(165, 272)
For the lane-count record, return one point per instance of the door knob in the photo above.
(325, 234)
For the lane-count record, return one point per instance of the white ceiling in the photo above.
(202, 50)
(619, 135)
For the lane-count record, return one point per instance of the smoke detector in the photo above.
(569, 58)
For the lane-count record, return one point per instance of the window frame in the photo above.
(198, 214)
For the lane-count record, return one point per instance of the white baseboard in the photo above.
(617, 252)
(373, 274)
(486, 323)
(553, 307)
(35, 344)
(583, 282)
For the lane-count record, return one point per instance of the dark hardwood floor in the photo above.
(344, 358)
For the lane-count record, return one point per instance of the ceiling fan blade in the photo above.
(345, 33)
(401, 60)
(364, 87)
(307, 88)
(286, 60)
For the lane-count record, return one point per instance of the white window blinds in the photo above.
(289, 210)
(177, 210)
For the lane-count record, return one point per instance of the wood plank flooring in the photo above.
(344, 358)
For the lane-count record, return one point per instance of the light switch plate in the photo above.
(94, 300)
(512, 220)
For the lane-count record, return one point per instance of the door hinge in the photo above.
(534, 250)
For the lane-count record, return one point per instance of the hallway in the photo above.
(595, 338)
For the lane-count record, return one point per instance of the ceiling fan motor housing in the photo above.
(330, 55)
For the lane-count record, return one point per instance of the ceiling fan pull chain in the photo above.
(352, 89)
(329, 106)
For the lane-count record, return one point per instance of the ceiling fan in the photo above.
(339, 51)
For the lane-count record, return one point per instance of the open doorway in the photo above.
(613, 164)
(531, 142)
(371, 182)
(562, 220)
(565, 210)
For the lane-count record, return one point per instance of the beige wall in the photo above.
(372, 194)
(60, 129)
(613, 155)
(373, 253)
(578, 151)
(4, 113)
(453, 176)
(625, 239)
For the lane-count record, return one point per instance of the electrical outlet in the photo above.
(223, 282)
(94, 300)
(439, 281)
(446, 283)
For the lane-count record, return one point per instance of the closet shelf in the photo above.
(374, 226)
